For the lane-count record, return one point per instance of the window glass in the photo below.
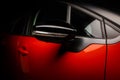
(20, 25)
(52, 12)
(86, 25)
(111, 33)
(94, 29)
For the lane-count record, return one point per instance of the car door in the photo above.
(113, 52)
(10, 49)
(79, 57)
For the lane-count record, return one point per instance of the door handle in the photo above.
(23, 51)
(24, 58)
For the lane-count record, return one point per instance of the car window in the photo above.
(111, 33)
(94, 29)
(86, 25)
(19, 26)
(52, 12)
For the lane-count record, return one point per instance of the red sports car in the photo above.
(63, 41)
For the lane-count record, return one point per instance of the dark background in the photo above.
(10, 10)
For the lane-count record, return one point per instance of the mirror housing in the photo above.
(53, 33)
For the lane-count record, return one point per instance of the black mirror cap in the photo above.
(70, 33)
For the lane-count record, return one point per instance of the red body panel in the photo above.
(11, 58)
(42, 60)
(113, 62)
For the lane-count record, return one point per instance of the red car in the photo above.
(63, 41)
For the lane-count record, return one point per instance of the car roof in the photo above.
(114, 17)
(110, 15)
(104, 12)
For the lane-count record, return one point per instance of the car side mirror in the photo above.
(53, 33)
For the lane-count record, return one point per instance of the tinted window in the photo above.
(20, 25)
(111, 33)
(52, 12)
(85, 24)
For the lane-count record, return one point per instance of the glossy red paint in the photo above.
(113, 62)
(42, 60)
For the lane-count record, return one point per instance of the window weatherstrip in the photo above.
(103, 29)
